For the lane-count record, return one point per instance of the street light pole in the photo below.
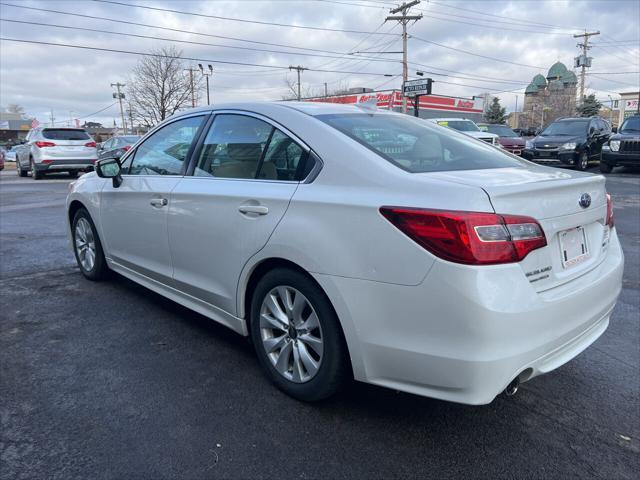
(207, 75)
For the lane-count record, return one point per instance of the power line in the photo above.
(150, 37)
(89, 114)
(228, 62)
(232, 19)
(177, 30)
(476, 54)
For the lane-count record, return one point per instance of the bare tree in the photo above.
(15, 108)
(310, 92)
(158, 87)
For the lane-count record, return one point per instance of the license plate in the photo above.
(573, 247)
(544, 154)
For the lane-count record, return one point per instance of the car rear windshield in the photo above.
(570, 128)
(460, 125)
(65, 134)
(501, 131)
(419, 146)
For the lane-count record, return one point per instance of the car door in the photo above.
(24, 150)
(134, 214)
(244, 175)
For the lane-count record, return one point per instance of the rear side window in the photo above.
(65, 134)
(417, 145)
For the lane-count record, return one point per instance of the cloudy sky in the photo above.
(468, 47)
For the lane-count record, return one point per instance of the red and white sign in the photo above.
(393, 99)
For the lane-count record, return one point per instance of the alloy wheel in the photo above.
(291, 334)
(85, 244)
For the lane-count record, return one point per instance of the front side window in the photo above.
(417, 145)
(165, 152)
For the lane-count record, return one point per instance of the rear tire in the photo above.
(35, 174)
(21, 172)
(315, 364)
(87, 247)
(605, 167)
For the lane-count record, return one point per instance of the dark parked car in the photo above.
(115, 147)
(509, 139)
(623, 147)
(2, 157)
(569, 141)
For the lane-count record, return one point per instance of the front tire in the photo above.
(605, 167)
(87, 247)
(583, 161)
(297, 336)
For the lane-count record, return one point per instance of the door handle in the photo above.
(158, 202)
(257, 209)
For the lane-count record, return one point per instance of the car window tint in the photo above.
(417, 145)
(233, 147)
(164, 152)
(64, 134)
(282, 158)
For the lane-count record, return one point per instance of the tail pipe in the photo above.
(512, 388)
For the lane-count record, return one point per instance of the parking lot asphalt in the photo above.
(109, 380)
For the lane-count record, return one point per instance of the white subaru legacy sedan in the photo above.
(350, 243)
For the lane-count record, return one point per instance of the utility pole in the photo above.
(300, 69)
(403, 20)
(207, 75)
(130, 112)
(583, 61)
(193, 94)
(119, 95)
(325, 90)
(52, 118)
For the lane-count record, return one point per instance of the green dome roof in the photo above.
(531, 88)
(556, 85)
(557, 70)
(569, 77)
(539, 81)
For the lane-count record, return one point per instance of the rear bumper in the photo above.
(465, 333)
(620, 159)
(65, 165)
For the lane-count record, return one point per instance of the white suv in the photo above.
(56, 149)
(467, 127)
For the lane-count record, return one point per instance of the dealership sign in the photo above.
(412, 88)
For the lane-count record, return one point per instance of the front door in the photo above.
(134, 215)
(245, 176)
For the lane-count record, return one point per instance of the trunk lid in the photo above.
(577, 236)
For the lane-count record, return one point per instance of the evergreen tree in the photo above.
(496, 113)
(591, 106)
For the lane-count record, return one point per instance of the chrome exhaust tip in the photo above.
(512, 388)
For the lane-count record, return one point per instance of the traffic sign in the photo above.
(421, 86)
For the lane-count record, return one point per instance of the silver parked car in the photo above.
(56, 149)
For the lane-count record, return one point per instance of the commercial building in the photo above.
(13, 128)
(628, 105)
(430, 106)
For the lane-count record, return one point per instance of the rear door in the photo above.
(244, 175)
(134, 215)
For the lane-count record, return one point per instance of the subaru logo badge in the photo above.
(585, 200)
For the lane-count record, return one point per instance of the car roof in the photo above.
(443, 119)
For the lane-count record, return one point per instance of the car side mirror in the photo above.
(592, 130)
(109, 168)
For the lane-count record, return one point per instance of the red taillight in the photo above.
(46, 162)
(41, 144)
(90, 144)
(126, 148)
(609, 211)
(472, 238)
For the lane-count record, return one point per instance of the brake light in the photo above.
(471, 238)
(126, 148)
(90, 144)
(609, 211)
(46, 162)
(41, 144)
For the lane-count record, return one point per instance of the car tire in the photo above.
(87, 247)
(21, 171)
(73, 174)
(316, 362)
(605, 167)
(583, 161)
(35, 174)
